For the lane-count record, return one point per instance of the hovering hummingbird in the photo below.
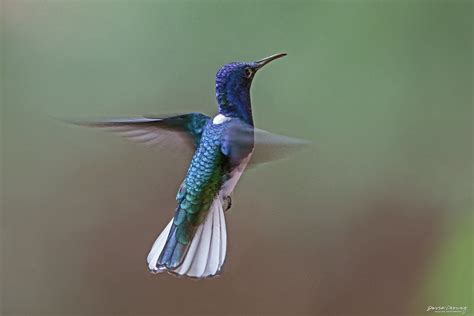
(194, 242)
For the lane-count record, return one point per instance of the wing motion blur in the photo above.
(178, 132)
(267, 146)
(183, 132)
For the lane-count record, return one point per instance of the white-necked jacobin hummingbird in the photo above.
(194, 242)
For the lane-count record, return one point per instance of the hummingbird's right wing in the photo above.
(270, 147)
(267, 146)
(167, 131)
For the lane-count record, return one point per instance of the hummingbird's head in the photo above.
(233, 83)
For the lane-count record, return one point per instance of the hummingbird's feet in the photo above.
(228, 199)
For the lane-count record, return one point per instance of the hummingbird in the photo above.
(194, 242)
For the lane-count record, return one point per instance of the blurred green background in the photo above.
(375, 218)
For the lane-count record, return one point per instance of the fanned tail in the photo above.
(206, 252)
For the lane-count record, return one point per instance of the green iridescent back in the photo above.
(196, 194)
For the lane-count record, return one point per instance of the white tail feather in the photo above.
(157, 248)
(215, 246)
(206, 253)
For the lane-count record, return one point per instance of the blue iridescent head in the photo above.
(233, 83)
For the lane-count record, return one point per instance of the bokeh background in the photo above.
(375, 218)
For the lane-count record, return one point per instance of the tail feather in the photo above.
(215, 245)
(205, 255)
(157, 248)
(223, 232)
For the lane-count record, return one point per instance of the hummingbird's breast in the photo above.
(238, 157)
(234, 175)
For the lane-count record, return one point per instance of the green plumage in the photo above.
(197, 192)
(201, 185)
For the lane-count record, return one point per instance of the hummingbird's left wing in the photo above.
(168, 131)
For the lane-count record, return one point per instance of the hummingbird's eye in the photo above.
(248, 72)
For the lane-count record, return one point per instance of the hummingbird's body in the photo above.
(194, 242)
(210, 180)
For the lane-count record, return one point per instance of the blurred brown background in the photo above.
(374, 219)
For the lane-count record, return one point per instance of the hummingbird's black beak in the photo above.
(263, 62)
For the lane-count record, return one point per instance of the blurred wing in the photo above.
(170, 132)
(240, 138)
(270, 147)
